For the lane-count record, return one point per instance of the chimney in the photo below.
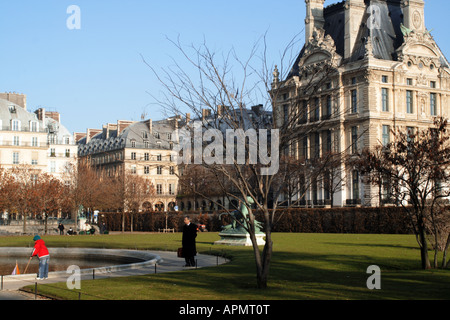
(354, 13)
(414, 15)
(314, 17)
(149, 124)
(206, 113)
(188, 118)
(40, 113)
(18, 98)
(54, 115)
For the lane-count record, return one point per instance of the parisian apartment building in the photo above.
(366, 68)
(142, 148)
(35, 140)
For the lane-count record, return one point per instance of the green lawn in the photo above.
(304, 266)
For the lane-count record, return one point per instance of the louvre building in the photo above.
(367, 67)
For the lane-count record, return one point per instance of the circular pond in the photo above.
(85, 259)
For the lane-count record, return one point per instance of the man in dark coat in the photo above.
(188, 242)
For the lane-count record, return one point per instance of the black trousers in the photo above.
(190, 261)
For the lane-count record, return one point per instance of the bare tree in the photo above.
(226, 86)
(417, 166)
(46, 194)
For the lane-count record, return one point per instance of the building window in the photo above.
(433, 84)
(172, 170)
(33, 126)
(159, 189)
(133, 144)
(286, 113)
(433, 105)
(158, 157)
(386, 135)
(354, 80)
(354, 139)
(52, 166)
(355, 185)
(52, 152)
(67, 153)
(34, 141)
(305, 147)
(316, 109)
(354, 101)
(385, 99)
(146, 170)
(304, 113)
(51, 139)
(171, 189)
(159, 170)
(327, 144)
(327, 113)
(15, 158)
(384, 79)
(133, 170)
(146, 156)
(34, 162)
(409, 82)
(409, 101)
(133, 156)
(16, 141)
(15, 125)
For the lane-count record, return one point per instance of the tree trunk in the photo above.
(263, 259)
(24, 223)
(424, 247)
(123, 221)
(131, 221)
(444, 257)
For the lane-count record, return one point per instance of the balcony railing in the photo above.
(23, 129)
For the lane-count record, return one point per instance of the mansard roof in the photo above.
(385, 40)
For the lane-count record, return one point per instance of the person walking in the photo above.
(61, 229)
(188, 242)
(40, 250)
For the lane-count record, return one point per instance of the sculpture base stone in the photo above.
(239, 239)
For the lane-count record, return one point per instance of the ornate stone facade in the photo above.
(369, 67)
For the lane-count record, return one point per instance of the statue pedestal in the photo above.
(239, 239)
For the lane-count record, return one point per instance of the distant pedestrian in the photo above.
(61, 228)
(188, 242)
(40, 250)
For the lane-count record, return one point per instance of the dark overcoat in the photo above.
(188, 240)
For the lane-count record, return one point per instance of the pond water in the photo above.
(7, 264)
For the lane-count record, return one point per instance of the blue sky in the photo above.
(95, 75)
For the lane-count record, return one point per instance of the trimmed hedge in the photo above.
(385, 220)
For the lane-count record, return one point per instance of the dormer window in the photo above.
(15, 125)
(33, 126)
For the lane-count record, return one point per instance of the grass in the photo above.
(304, 266)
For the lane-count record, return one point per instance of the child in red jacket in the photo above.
(41, 251)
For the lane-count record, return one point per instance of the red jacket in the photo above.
(40, 249)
